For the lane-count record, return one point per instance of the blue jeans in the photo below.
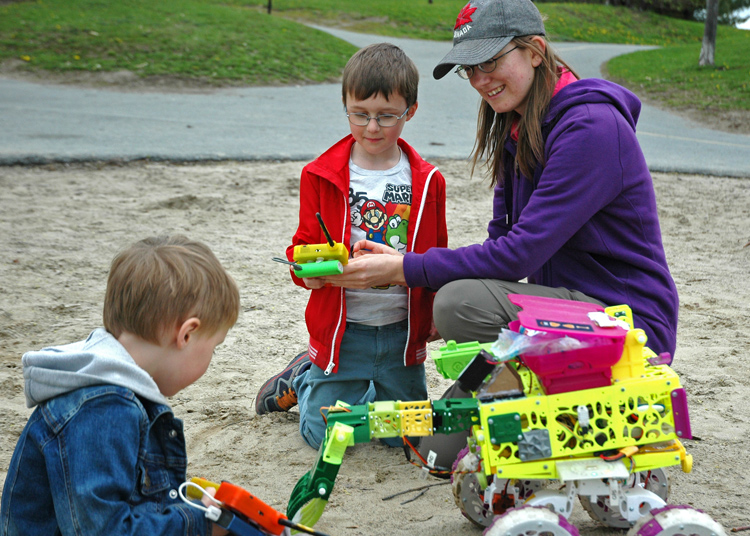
(371, 367)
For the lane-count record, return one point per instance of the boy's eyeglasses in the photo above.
(384, 120)
(467, 71)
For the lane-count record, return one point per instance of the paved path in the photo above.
(43, 122)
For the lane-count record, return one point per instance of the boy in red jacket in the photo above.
(368, 344)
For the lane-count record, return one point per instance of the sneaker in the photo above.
(277, 394)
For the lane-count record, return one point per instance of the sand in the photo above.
(61, 225)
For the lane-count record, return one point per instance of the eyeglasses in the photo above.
(467, 71)
(384, 120)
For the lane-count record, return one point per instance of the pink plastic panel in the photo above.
(574, 369)
(562, 316)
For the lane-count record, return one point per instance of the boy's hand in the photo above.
(367, 247)
(313, 282)
(216, 530)
(434, 335)
(206, 498)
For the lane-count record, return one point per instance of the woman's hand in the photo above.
(373, 265)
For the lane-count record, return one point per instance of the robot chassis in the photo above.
(600, 422)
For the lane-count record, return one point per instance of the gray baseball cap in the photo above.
(484, 27)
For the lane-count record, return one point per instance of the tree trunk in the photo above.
(709, 34)
(269, 6)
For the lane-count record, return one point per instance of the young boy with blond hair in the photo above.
(103, 453)
(365, 344)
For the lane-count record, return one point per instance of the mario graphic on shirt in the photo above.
(374, 220)
(383, 222)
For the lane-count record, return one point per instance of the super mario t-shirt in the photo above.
(380, 205)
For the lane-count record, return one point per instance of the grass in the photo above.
(594, 23)
(237, 42)
(398, 18)
(185, 38)
(422, 20)
(672, 76)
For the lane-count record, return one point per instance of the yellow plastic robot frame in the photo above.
(607, 444)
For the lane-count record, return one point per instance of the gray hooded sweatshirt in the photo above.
(98, 360)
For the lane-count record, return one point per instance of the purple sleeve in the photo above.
(583, 174)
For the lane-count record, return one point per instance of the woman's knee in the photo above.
(473, 309)
(448, 300)
(457, 307)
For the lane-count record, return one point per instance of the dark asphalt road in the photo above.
(45, 122)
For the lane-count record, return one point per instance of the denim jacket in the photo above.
(99, 460)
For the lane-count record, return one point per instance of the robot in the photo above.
(568, 402)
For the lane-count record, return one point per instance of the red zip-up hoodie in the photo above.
(324, 188)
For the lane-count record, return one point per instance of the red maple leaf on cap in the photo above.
(464, 17)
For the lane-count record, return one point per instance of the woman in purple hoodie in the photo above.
(574, 206)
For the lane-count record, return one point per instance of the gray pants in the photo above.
(476, 310)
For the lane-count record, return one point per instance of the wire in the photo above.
(426, 466)
(334, 409)
(212, 512)
(625, 452)
(421, 458)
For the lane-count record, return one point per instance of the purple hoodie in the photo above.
(587, 221)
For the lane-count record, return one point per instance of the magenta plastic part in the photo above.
(681, 415)
(652, 527)
(572, 370)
